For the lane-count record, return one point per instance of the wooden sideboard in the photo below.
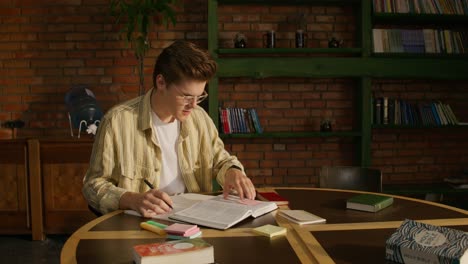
(63, 166)
(40, 186)
(14, 182)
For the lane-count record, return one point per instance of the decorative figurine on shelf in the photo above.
(269, 39)
(301, 36)
(240, 41)
(335, 43)
(326, 125)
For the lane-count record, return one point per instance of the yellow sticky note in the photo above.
(270, 230)
(152, 228)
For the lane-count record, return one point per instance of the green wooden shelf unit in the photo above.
(358, 62)
(294, 134)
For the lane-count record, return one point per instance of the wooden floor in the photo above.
(21, 249)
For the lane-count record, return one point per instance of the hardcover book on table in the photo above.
(180, 251)
(301, 217)
(416, 242)
(272, 197)
(369, 202)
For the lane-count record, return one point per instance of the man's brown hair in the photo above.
(184, 60)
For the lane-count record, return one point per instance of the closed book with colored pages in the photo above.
(416, 242)
(179, 251)
(301, 217)
(272, 197)
(369, 202)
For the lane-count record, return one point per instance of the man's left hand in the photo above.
(236, 180)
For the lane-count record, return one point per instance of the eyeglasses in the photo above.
(189, 99)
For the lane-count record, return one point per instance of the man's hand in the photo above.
(236, 180)
(147, 204)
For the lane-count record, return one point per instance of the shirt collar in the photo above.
(144, 111)
(144, 115)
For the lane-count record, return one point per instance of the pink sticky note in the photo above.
(180, 228)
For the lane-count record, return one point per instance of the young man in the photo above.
(165, 138)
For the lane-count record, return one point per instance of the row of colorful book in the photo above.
(443, 7)
(239, 120)
(420, 41)
(391, 111)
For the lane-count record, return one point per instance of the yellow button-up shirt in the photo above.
(126, 151)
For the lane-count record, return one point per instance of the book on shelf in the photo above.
(416, 242)
(223, 213)
(390, 111)
(369, 202)
(239, 120)
(385, 111)
(272, 197)
(301, 217)
(270, 230)
(178, 251)
(378, 102)
(256, 120)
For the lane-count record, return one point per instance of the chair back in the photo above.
(351, 178)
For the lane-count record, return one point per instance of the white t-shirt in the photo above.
(171, 180)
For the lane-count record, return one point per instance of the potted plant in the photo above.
(138, 17)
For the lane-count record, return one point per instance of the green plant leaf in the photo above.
(137, 18)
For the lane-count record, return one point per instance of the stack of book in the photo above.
(182, 231)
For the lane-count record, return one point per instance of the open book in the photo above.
(213, 211)
(223, 213)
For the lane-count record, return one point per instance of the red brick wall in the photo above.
(47, 46)
(292, 105)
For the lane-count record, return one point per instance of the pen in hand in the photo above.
(152, 187)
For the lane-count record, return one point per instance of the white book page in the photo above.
(179, 203)
(258, 208)
(214, 214)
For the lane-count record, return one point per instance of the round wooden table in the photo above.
(349, 236)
